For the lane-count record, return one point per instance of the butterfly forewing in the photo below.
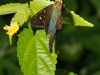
(42, 17)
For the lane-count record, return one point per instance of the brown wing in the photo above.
(42, 17)
(59, 22)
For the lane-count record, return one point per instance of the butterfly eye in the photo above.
(55, 3)
(60, 4)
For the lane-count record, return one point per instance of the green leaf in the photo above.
(79, 21)
(34, 55)
(71, 73)
(37, 5)
(69, 17)
(11, 8)
(21, 16)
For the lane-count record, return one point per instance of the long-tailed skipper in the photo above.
(50, 18)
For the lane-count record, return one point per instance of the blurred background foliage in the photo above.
(79, 47)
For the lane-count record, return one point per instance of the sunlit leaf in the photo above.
(69, 17)
(34, 55)
(11, 8)
(21, 16)
(37, 5)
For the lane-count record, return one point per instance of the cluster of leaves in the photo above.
(72, 42)
(33, 55)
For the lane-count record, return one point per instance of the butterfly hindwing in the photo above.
(59, 22)
(42, 17)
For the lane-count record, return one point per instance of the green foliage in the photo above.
(34, 55)
(37, 5)
(21, 16)
(69, 17)
(11, 8)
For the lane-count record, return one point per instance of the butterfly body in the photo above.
(56, 13)
(50, 19)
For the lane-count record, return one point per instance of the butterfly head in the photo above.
(59, 1)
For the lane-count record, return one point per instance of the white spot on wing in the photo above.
(40, 18)
(44, 22)
(44, 11)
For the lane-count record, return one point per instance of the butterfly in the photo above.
(50, 18)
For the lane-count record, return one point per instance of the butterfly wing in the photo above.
(42, 18)
(59, 22)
